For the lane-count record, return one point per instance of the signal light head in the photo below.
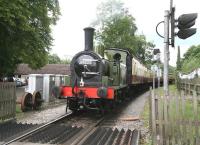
(186, 21)
(185, 33)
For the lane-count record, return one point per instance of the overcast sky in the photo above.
(77, 14)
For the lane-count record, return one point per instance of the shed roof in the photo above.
(24, 69)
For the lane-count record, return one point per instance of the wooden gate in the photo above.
(7, 100)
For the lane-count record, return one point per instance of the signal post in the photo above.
(184, 24)
(166, 53)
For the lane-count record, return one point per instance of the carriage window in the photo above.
(111, 54)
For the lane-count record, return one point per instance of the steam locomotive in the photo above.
(98, 82)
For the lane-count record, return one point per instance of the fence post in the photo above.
(150, 110)
(160, 119)
(195, 105)
(153, 119)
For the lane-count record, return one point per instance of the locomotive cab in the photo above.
(120, 71)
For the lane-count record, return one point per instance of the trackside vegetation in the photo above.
(25, 36)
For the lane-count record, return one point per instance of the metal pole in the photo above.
(154, 80)
(171, 5)
(158, 76)
(166, 52)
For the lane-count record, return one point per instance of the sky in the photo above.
(68, 33)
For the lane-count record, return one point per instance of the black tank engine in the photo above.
(96, 81)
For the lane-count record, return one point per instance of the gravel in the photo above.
(127, 116)
(42, 116)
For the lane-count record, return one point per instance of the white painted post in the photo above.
(166, 52)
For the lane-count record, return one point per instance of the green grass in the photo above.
(172, 90)
(145, 118)
(145, 114)
(187, 112)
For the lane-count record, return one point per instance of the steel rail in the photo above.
(83, 135)
(37, 129)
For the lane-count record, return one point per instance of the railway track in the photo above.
(98, 134)
(60, 132)
(81, 128)
(12, 131)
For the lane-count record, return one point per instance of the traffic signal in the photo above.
(184, 24)
(186, 21)
(172, 26)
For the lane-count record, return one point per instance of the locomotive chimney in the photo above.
(89, 33)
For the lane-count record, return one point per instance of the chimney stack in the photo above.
(89, 33)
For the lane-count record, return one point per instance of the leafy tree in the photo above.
(118, 33)
(191, 59)
(25, 33)
(108, 10)
(65, 61)
(171, 69)
(117, 28)
(143, 50)
(54, 59)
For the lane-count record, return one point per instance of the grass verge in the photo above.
(18, 109)
(146, 138)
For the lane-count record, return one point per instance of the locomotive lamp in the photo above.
(81, 82)
(102, 92)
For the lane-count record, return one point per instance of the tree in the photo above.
(118, 33)
(143, 50)
(191, 59)
(25, 33)
(65, 61)
(108, 10)
(116, 28)
(54, 59)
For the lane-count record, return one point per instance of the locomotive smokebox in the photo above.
(89, 33)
